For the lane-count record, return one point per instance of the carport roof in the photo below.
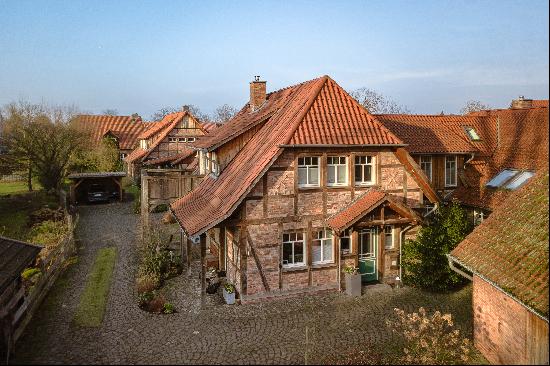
(96, 175)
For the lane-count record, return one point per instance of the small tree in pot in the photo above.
(353, 281)
(229, 293)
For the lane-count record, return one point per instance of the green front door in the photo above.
(368, 246)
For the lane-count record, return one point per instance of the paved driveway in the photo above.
(269, 332)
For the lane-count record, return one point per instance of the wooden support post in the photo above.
(144, 202)
(339, 261)
(221, 252)
(203, 270)
(188, 255)
(355, 245)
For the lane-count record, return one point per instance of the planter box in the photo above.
(353, 284)
(229, 297)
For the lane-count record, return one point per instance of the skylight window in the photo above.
(501, 178)
(519, 180)
(472, 134)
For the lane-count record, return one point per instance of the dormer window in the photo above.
(472, 134)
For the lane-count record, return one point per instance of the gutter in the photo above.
(452, 259)
(344, 145)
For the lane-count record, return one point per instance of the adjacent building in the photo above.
(124, 130)
(506, 256)
(167, 143)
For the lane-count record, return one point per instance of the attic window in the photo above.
(510, 179)
(472, 134)
(501, 177)
(519, 180)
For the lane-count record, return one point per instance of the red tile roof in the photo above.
(540, 103)
(510, 248)
(244, 120)
(436, 133)
(522, 144)
(364, 204)
(215, 199)
(335, 118)
(158, 132)
(125, 128)
(356, 209)
(173, 159)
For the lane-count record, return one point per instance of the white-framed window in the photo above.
(293, 249)
(345, 242)
(191, 139)
(172, 139)
(450, 171)
(123, 155)
(365, 172)
(308, 171)
(388, 237)
(426, 165)
(182, 139)
(337, 171)
(322, 247)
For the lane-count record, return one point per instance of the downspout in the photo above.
(467, 161)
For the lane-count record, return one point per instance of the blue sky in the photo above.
(138, 56)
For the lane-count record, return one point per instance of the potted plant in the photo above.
(353, 281)
(229, 293)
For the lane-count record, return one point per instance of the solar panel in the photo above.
(501, 177)
(519, 180)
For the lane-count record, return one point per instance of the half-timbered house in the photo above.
(301, 182)
(167, 142)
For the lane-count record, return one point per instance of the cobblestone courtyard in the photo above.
(269, 332)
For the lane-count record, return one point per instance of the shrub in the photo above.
(145, 297)
(424, 260)
(163, 207)
(147, 282)
(168, 308)
(351, 269)
(156, 305)
(48, 233)
(430, 339)
(30, 272)
(229, 288)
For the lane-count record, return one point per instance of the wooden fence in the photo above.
(164, 186)
(24, 307)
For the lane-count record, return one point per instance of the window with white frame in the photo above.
(172, 139)
(191, 139)
(479, 216)
(182, 139)
(450, 171)
(293, 249)
(426, 165)
(308, 171)
(364, 170)
(345, 242)
(123, 155)
(321, 247)
(337, 171)
(388, 236)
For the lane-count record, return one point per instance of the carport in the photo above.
(112, 181)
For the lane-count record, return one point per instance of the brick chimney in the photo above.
(521, 103)
(257, 93)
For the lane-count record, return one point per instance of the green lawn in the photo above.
(15, 210)
(16, 187)
(93, 300)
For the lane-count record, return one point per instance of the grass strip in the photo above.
(93, 300)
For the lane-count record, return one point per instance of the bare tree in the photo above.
(195, 111)
(110, 112)
(474, 106)
(43, 138)
(377, 103)
(224, 113)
